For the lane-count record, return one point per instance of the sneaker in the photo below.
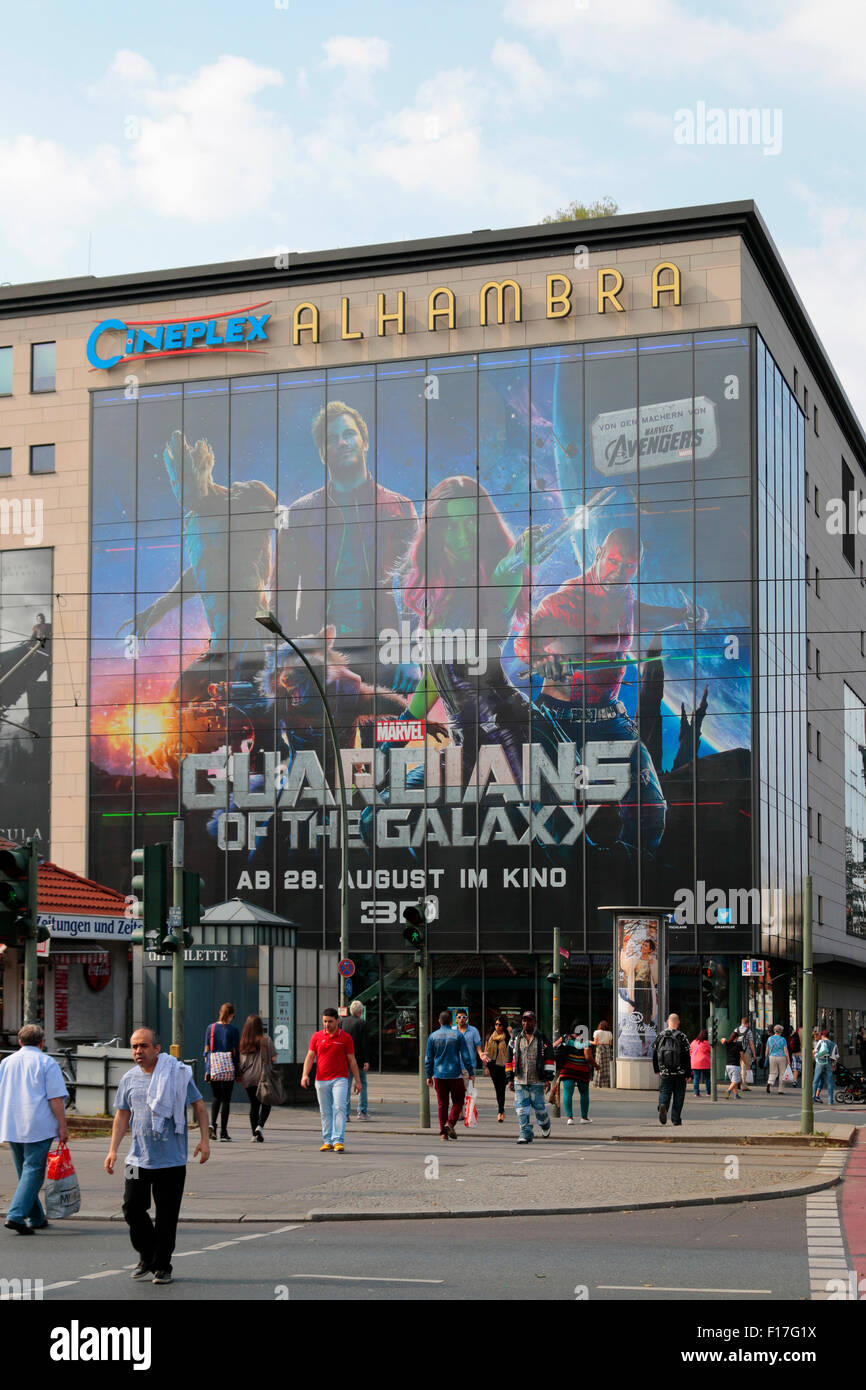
(211, 1129)
(444, 1137)
(676, 1122)
(449, 1130)
(142, 1270)
(585, 1120)
(365, 1116)
(522, 1140)
(325, 1148)
(663, 1115)
(162, 1276)
(225, 1139)
(339, 1148)
(259, 1135)
(545, 1133)
(569, 1122)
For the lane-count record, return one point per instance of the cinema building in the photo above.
(568, 518)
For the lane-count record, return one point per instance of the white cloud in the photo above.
(652, 122)
(55, 194)
(528, 82)
(799, 40)
(209, 150)
(132, 67)
(359, 56)
(830, 275)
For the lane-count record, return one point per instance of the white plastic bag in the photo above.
(470, 1109)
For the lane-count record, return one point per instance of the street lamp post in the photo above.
(268, 620)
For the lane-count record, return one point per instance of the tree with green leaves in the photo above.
(577, 212)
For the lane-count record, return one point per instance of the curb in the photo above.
(723, 1199)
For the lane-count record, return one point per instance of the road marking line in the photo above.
(670, 1288)
(61, 1284)
(367, 1279)
(102, 1274)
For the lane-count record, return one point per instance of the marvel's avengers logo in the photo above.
(179, 337)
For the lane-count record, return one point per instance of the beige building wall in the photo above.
(711, 297)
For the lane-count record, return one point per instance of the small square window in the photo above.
(42, 458)
(862, 576)
(818, 744)
(815, 418)
(5, 463)
(817, 582)
(796, 382)
(808, 569)
(809, 821)
(808, 653)
(805, 400)
(820, 910)
(820, 829)
(817, 501)
(863, 643)
(807, 486)
(818, 662)
(5, 371)
(808, 737)
(43, 366)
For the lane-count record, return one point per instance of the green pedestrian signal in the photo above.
(414, 931)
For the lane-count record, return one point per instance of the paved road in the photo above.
(705, 1253)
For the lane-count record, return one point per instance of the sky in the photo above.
(142, 137)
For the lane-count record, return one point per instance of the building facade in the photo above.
(550, 508)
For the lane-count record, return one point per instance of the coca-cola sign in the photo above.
(97, 973)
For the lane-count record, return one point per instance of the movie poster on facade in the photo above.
(26, 605)
(640, 964)
(539, 673)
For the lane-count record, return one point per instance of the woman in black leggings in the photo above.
(221, 1037)
(495, 1053)
(256, 1049)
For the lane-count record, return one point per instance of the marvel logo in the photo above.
(399, 730)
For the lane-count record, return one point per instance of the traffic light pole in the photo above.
(31, 960)
(556, 997)
(423, 1033)
(177, 996)
(807, 1112)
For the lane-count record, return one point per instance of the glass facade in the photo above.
(855, 813)
(525, 576)
(781, 626)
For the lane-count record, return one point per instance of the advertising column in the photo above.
(640, 972)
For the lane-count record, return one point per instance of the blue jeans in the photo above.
(696, 1077)
(30, 1161)
(333, 1099)
(568, 1085)
(672, 1092)
(527, 1099)
(362, 1098)
(823, 1072)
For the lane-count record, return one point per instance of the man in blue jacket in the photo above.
(447, 1055)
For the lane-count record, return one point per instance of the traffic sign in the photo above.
(346, 968)
(348, 989)
(174, 916)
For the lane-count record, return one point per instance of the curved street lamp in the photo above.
(268, 620)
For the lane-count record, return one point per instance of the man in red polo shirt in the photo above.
(333, 1052)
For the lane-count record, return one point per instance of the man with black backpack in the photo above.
(673, 1066)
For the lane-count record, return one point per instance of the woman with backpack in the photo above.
(257, 1054)
(578, 1065)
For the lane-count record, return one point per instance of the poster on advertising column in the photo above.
(640, 964)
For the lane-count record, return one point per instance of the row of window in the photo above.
(43, 368)
(41, 460)
(850, 501)
(806, 401)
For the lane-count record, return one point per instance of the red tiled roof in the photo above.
(60, 890)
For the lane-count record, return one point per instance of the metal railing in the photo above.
(67, 1060)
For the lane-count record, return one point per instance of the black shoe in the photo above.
(142, 1270)
(162, 1276)
(449, 1130)
(42, 1227)
(225, 1139)
(663, 1115)
(676, 1122)
(259, 1135)
(20, 1227)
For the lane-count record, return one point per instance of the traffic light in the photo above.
(714, 1029)
(192, 886)
(710, 982)
(14, 894)
(414, 931)
(18, 897)
(150, 886)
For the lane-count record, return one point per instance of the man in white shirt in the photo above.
(32, 1116)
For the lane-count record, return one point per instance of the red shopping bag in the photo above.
(470, 1110)
(62, 1193)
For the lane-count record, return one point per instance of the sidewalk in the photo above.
(392, 1169)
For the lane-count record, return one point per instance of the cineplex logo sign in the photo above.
(740, 907)
(180, 337)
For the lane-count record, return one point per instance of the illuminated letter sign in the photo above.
(180, 337)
